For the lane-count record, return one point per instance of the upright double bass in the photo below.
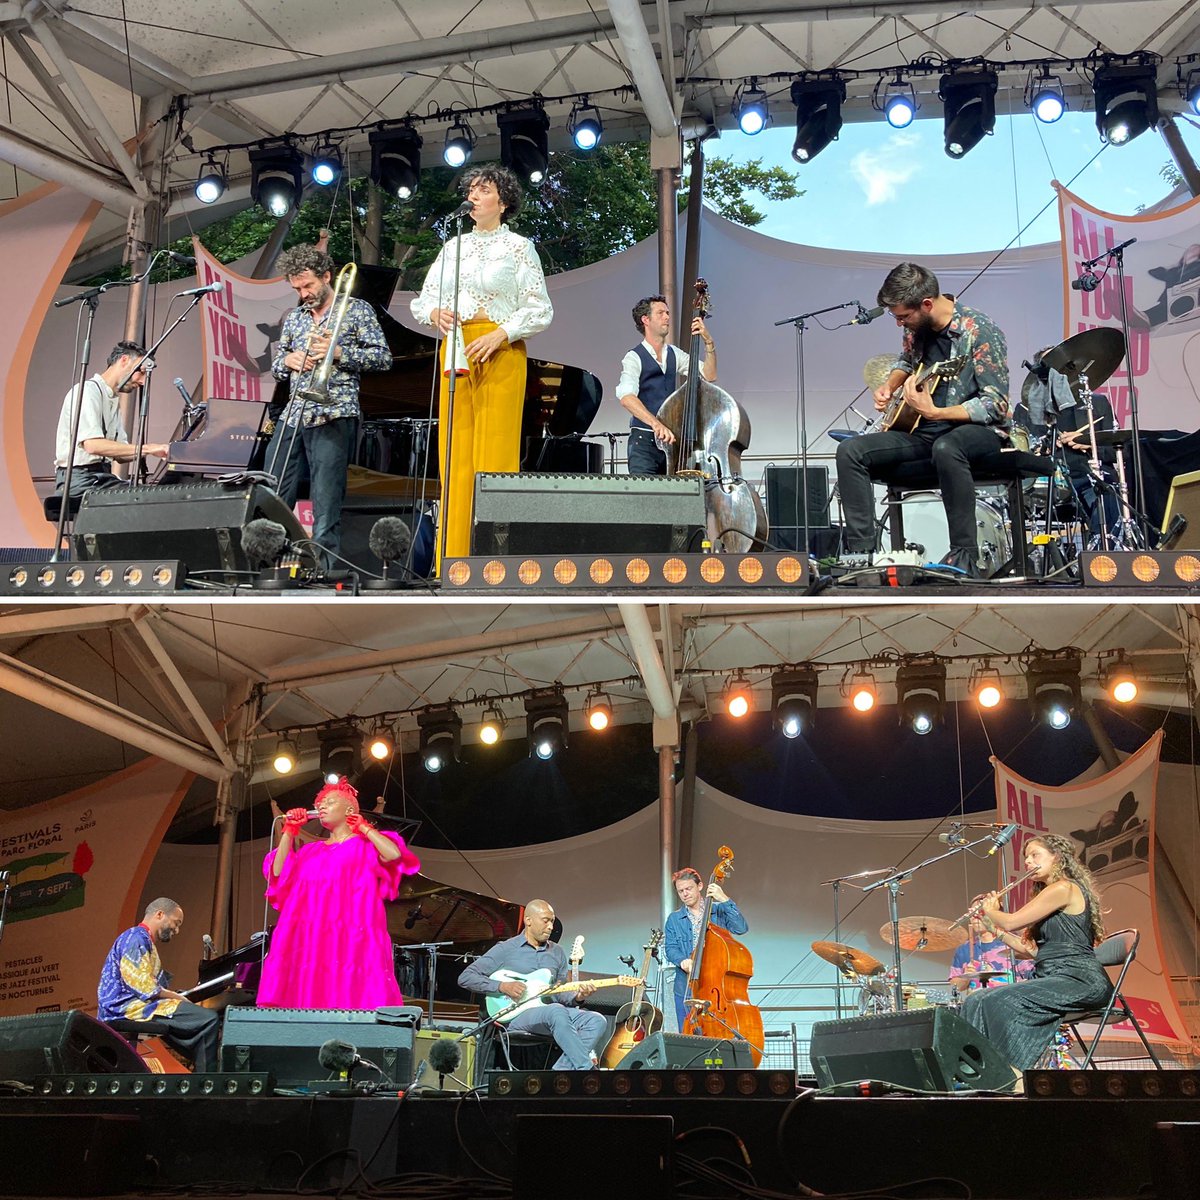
(718, 1000)
(711, 430)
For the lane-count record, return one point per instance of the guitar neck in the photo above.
(616, 981)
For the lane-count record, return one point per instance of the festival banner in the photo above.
(240, 329)
(76, 867)
(1162, 302)
(1110, 819)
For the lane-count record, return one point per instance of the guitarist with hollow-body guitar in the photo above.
(952, 376)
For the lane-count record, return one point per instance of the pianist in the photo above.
(133, 987)
(102, 439)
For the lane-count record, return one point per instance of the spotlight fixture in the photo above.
(491, 728)
(863, 693)
(736, 697)
(1126, 101)
(440, 729)
(969, 103)
(584, 124)
(986, 687)
(341, 752)
(900, 103)
(546, 722)
(396, 160)
(286, 754)
(1120, 680)
(460, 144)
(921, 693)
(1191, 91)
(818, 115)
(275, 178)
(1045, 97)
(211, 182)
(326, 164)
(1053, 680)
(381, 743)
(750, 108)
(794, 699)
(523, 141)
(597, 711)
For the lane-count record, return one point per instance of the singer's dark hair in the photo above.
(164, 904)
(687, 873)
(641, 310)
(295, 260)
(908, 284)
(125, 349)
(1068, 866)
(508, 186)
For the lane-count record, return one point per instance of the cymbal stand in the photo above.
(1094, 465)
(836, 885)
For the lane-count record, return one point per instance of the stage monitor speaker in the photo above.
(587, 514)
(683, 1052)
(198, 523)
(930, 1049)
(1184, 500)
(286, 1042)
(63, 1043)
(785, 504)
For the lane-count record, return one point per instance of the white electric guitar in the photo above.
(538, 987)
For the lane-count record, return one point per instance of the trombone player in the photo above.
(328, 339)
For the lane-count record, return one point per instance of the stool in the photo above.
(1010, 468)
(52, 508)
(134, 1031)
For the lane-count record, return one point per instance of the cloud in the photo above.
(883, 172)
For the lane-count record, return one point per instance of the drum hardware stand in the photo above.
(836, 885)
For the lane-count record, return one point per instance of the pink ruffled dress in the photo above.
(330, 947)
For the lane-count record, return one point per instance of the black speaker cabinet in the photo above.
(587, 514)
(198, 523)
(785, 504)
(63, 1043)
(931, 1049)
(684, 1052)
(359, 515)
(286, 1042)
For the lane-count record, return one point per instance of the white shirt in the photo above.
(500, 275)
(99, 417)
(631, 368)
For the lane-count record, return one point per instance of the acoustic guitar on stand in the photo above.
(902, 418)
(638, 1019)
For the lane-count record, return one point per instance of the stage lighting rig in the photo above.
(794, 699)
(440, 729)
(735, 698)
(523, 141)
(460, 145)
(491, 727)
(921, 693)
(1120, 680)
(341, 752)
(1054, 692)
(285, 757)
(818, 114)
(969, 102)
(275, 178)
(750, 108)
(211, 182)
(584, 124)
(597, 711)
(396, 160)
(382, 741)
(326, 164)
(1045, 97)
(899, 105)
(985, 685)
(1126, 101)
(863, 692)
(546, 722)
(1191, 91)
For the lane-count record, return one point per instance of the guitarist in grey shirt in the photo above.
(963, 419)
(574, 1030)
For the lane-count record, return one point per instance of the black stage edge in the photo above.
(999, 1147)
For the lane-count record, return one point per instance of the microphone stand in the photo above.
(431, 948)
(6, 883)
(800, 326)
(836, 885)
(451, 368)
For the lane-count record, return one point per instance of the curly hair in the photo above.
(297, 259)
(1068, 866)
(908, 284)
(687, 873)
(641, 310)
(125, 349)
(508, 186)
(342, 786)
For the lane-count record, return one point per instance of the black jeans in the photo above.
(195, 1032)
(644, 456)
(950, 451)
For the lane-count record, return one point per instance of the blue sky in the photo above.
(876, 180)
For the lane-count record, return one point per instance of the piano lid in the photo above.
(428, 911)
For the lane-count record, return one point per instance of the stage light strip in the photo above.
(604, 572)
(1141, 568)
(78, 578)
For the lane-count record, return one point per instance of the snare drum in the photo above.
(925, 524)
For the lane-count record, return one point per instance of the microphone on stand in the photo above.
(204, 291)
(462, 210)
(184, 260)
(952, 837)
(1087, 282)
(1002, 838)
(210, 946)
(867, 315)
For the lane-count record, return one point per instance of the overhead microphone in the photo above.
(952, 838)
(1087, 282)
(1002, 838)
(184, 260)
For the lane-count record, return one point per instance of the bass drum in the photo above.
(925, 525)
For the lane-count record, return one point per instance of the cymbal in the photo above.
(939, 934)
(876, 370)
(848, 958)
(1114, 437)
(1095, 353)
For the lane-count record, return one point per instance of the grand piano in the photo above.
(561, 402)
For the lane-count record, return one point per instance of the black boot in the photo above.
(966, 560)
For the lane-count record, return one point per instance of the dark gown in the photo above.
(1020, 1020)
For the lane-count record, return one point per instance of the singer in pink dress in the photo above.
(330, 947)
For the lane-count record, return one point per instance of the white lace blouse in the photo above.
(500, 275)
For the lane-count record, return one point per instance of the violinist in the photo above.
(683, 926)
(651, 372)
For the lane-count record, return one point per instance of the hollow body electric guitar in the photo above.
(899, 415)
(538, 987)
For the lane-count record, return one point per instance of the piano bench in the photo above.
(52, 507)
(132, 1031)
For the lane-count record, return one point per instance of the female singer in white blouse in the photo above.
(501, 300)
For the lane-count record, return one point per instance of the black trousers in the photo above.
(195, 1032)
(644, 457)
(950, 451)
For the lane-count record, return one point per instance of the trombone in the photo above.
(317, 391)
